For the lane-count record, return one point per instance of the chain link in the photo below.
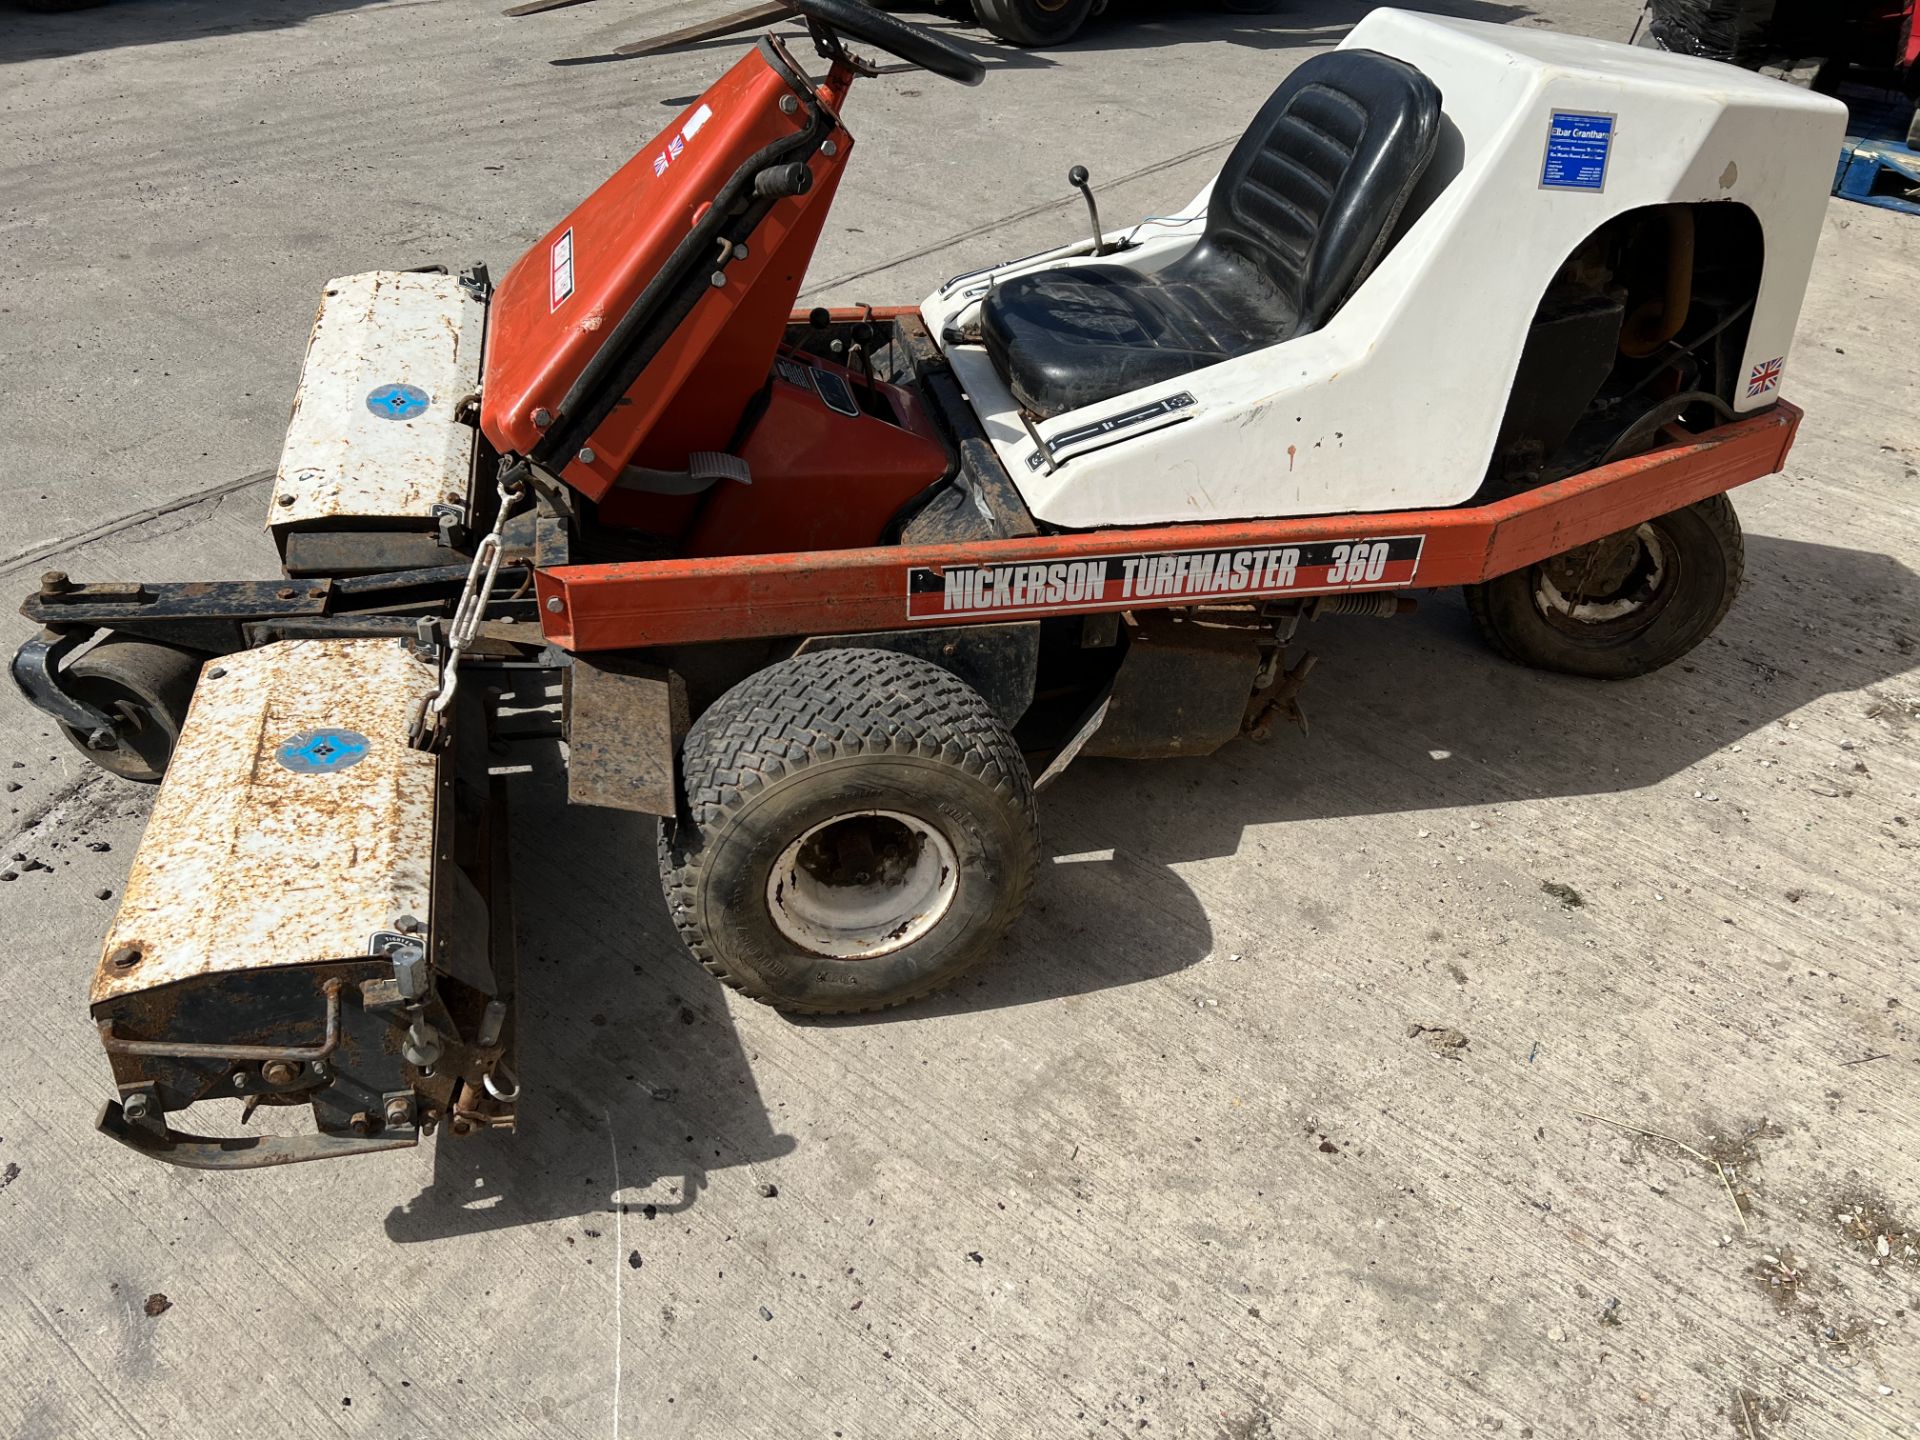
(475, 596)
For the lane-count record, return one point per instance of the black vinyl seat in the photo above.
(1301, 212)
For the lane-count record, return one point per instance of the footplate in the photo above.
(317, 916)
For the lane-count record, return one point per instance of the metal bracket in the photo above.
(183, 1050)
(35, 670)
(241, 1152)
(450, 525)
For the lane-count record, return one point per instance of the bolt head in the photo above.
(543, 417)
(399, 1113)
(556, 605)
(361, 1123)
(239, 1078)
(136, 1107)
(788, 104)
(829, 149)
(586, 455)
(280, 1072)
(55, 582)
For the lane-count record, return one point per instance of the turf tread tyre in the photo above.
(816, 710)
(1497, 607)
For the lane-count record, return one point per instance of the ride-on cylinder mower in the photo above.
(832, 592)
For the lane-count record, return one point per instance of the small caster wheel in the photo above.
(146, 688)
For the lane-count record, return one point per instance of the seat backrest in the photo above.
(1312, 192)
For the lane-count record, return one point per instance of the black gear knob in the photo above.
(1078, 177)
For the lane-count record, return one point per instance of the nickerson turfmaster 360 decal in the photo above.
(958, 590)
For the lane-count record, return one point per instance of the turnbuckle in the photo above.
(468, 614)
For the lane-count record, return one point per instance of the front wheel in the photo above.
(1033, 22)
(1622, 606)
(859, 831)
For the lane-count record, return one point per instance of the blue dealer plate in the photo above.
(1579, 148)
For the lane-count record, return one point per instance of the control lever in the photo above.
(1078, 178)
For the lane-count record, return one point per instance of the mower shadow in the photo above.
(626, 1046)
(1148, 24)
(1417, 715)
(1407, 716)
(1138, 25)
(28, 35)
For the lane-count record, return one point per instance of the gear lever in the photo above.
(1078, 178)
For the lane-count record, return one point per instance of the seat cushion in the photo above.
(1300, 214)
(1067, 338)
(1313, 192)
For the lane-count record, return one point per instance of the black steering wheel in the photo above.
(914, 44)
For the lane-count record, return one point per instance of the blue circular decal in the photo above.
(398, 402)
(321, 752)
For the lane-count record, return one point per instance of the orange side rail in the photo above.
(663, 602)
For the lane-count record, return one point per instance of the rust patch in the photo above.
(340, 459)
(247, 863)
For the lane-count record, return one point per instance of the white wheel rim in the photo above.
(863, 884)
(1594, 612)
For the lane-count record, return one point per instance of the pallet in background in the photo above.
(1877, 167)
(1879, 172)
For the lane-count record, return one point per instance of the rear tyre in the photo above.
(1033, 22)
(146, 688)
(859, 831)
(1622, 606)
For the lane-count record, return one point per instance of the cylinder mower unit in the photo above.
(832, 593)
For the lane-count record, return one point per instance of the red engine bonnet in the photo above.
(558, 305)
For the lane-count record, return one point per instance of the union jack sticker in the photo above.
(1765, 377)
(676, 145)
(660, 163)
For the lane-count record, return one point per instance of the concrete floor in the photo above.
(1174, 1163)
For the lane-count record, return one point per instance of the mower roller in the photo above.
(832, 592)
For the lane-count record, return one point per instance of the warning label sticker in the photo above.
(1167, 577)
(561, 267)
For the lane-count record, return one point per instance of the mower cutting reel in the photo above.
(833, 593)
